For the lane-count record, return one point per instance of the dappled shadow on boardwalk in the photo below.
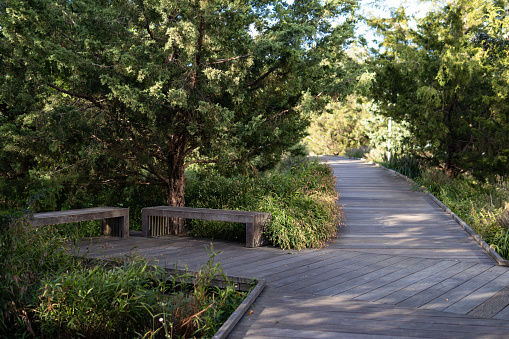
(400, 268)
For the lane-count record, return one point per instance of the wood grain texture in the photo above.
(114, 220)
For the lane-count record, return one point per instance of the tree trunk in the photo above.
(176, 184)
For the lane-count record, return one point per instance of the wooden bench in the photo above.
(155, 220)
(114, 220)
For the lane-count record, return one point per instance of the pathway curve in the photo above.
(401, 267)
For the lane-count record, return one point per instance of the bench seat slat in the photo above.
(108, 215)
(254, 220)
(203, 214)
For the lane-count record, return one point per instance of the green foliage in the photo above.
(135, 300)
(300, 195)
(500, 243)
(46, 292)
(408, 165)
(398, 139)
(446, 79)
(481, 204)
(339, 127)
(357, 152)
(100, 301)
(27, 255)
(108, 94)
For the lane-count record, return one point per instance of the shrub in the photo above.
(408, 165)
(96, 302)
(300, 194)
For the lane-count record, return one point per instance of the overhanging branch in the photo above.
(263, 76)
(220, 61)
(77, 95)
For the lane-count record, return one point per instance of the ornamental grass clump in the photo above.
(45, 292)
(134, 300)
(300, 194)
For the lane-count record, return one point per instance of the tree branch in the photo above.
(220, 61)
(266, 74)
(78, 95)
(194, 76)
(150, 168)
(200, 162)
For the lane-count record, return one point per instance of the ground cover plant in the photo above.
(45, 292)
(482, 204)
(300, 194)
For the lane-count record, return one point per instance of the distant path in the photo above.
(401, 267)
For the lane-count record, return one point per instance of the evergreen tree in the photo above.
(140, 90)
(437, 78)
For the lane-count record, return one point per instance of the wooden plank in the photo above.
(503, 315)
(398, 274)
(254, 220)
(226, 328)
(328, 286)
(203, 213)
(442, 273)
(114, 220)
(272, 332)
(295, 273)
(258, 264)
(333, 270)
(494, 305)
(455, 295)
(85, 214)
(437, 290)
(340, 325)
(288, 263)
(481, 295)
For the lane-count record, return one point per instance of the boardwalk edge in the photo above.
(501, 261)
(240, 311)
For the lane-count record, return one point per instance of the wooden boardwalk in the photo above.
(401, 267)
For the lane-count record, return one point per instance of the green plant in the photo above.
(357, 152)
(46, 292)
(98, 301)
(300, 194)
(500, 243)
(130, 298)
(481, 204)
(27, 255)
(408, 165)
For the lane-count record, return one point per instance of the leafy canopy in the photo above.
(118, 92)
(447, 80)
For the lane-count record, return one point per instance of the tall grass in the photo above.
(300, 194)
(408, 165)
(481, 204)
(357, 152)
(45, 292)
(26, 256)
(135, 300)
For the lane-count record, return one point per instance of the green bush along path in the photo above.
(400, 267)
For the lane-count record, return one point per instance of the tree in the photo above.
(435, 78)
(142, 89)
(340, 127)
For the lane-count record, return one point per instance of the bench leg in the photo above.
(115, 227)
(254, 232)
(145, 227)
